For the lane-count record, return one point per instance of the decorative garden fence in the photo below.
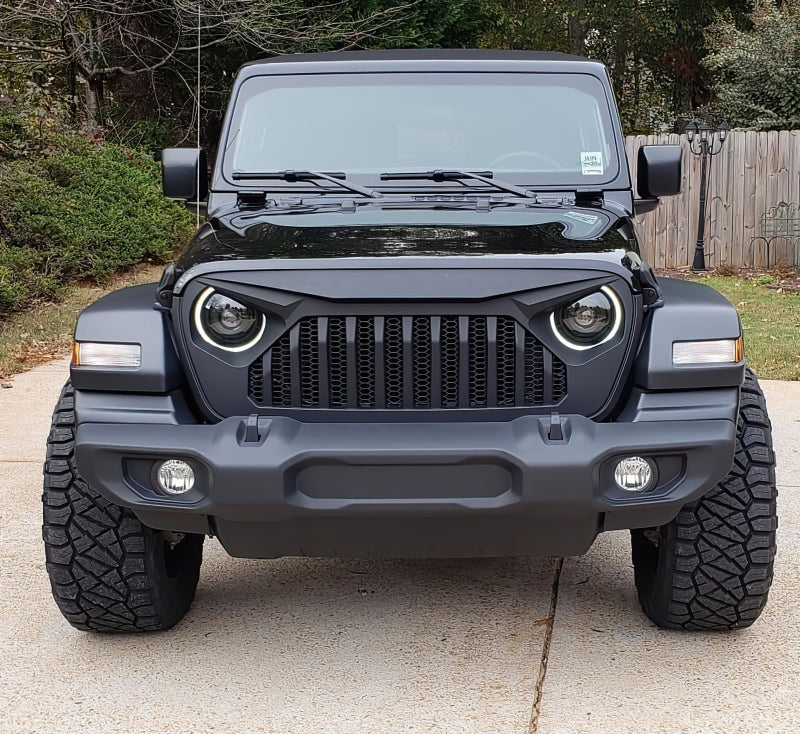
(754, 173)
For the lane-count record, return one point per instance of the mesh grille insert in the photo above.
(337, 362)
(407, 362)
(421, 359)
(393, 361)
(282, 373)
(365, 361)
(255, 381)
(448, 338)
(478, 362)
(309, 363)
(506, 365)
(534, 371)
(559, 380)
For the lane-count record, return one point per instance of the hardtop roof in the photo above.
(417, 59)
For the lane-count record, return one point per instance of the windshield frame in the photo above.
(615, 176)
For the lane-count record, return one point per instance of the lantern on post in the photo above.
(704, 141)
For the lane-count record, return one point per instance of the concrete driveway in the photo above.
(309, 645)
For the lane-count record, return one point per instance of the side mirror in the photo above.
(659, 171)
(181, 170)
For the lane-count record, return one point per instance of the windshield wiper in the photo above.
(486, 177)
(293, 176)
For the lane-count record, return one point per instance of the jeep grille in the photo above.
(413, 362)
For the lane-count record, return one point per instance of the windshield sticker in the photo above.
(580, 217)
(591, 164)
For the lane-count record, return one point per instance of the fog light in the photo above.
(634, 474)
(175, 477)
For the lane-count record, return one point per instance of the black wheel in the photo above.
(108, 572)
(711, 567)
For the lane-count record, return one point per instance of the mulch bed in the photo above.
(784, 278)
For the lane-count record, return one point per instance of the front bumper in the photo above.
(287, 487)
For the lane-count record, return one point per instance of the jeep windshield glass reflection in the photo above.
(530, 128)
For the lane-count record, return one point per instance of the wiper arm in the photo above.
(293, 176)
(486, 177)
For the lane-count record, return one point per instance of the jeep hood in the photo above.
(322, 236)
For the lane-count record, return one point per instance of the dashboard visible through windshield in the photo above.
(535, 128)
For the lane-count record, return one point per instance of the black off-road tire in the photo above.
(711, 567)
(108, 572)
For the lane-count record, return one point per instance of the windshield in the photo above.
(550, 129)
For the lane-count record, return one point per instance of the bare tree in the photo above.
(98, 40)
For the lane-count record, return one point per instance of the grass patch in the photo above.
(45, 331)
(771, 324)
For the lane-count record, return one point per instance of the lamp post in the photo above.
(706, 142)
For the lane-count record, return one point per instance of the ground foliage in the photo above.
(73, 208)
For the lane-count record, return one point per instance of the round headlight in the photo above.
(590, 320)
(226, 323)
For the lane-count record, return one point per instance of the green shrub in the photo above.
(148, 135)
(85, 210)
(755, 71)
(14, 137)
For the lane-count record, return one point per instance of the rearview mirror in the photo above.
(182, 169)
(659, 171)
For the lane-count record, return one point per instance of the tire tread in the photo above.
(97, 553)
(716, 558)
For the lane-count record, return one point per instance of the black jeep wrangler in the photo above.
(414, 324)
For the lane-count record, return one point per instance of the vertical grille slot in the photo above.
(393, 361)
(506, 365)
(309, 363)
(449, 366)
(534, 371)
(559, 380)
(282, 373)
(407, 362)
(365, 361)
(255, 381)
(422, 348)
(337, 362)
(478, 362)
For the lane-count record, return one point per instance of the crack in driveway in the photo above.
(549, 621)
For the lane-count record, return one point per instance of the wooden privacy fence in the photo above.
(755, 172)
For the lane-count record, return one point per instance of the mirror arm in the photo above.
(198, 207)
(643, 206)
